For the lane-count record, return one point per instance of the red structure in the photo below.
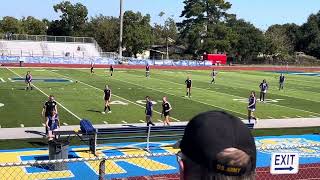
(216, 58)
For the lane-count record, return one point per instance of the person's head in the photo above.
(164, 99)
(53, 112)
(281, 74)
(253, 94)
(218, 146)
(28, 72)
(212, 69)
(107, 87)
(51, 98)
(147, 98)
(264, 81)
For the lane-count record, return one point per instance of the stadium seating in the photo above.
(48, 49)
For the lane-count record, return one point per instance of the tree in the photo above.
(73, 18)
(250, 40)
(204, 28)
(137, 32)
(278, 42)
(10, 24)
(161, 33)
(105, 30)
(310, 41)
(33, 26)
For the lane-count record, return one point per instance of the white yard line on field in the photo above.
(2, 80)
(179, 96)
(48, 95)
(235, 96)
(112, 94)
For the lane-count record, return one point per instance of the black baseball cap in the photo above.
(209, 133)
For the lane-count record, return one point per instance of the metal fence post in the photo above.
(102, 169)
(148, 137)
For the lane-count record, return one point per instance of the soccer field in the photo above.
(80, 95)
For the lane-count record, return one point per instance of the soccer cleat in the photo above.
(109, 112)
(103, 112)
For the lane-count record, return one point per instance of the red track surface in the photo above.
(230, 68)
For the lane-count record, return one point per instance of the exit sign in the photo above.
(284, 163)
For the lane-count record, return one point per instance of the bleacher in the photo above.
(49, 46)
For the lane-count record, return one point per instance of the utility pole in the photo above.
(121, 29)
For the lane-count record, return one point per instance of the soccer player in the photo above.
(111, 69)
(48, 107)
(281, 81)
(107, 98)
(91, 69)
(28, 80)
(148, 111)
(166, 108)
(252, 106)
(263, 90)
(52, 123)
(213, 75)
(188, 82)
(147, 70)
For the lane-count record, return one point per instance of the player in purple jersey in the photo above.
(52, 123)
(252, 106)
(28, 80)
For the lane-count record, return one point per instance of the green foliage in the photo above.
(33, 26)
(10, 24)
(161, 33)
(204, 28)
(137, 32)
(250, 41)
(310, 42)
(73, 17)
(105, 30)
(278, 42)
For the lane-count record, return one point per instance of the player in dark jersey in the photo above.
(111, 70)
(48, 107)
(282, 78)
(213, 75)
(148, 111)
(263, 90)
(188, 82)
(52, 124)
(91, 68)
(252, 106)
(147, 70)
(166, 108)
(28, 80)
(107, 98)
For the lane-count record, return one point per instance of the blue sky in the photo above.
(262, 13)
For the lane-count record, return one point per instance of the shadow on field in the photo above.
(92, 110)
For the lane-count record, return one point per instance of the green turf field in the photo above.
(301, 97)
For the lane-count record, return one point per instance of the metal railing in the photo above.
(67, 39)
(155, 166)
(32, 53)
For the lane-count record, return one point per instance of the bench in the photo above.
(128, 133)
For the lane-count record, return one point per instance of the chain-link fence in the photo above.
(158, 166)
